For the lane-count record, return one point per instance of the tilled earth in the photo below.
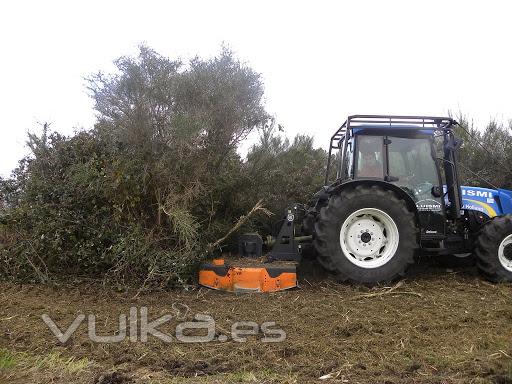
(437, 326)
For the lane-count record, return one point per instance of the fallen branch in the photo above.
(143, 286)
(412, 293)
(43, 276)
(380, 293)
(332, 375)
(241, 221)
(388, 291)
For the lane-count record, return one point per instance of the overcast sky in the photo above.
(320, 60)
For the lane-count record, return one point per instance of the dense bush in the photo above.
(283, 173)
(485, 155)
(139, 197)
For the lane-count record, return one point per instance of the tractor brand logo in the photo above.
(473, 207)
(477, 193)
(429, 205)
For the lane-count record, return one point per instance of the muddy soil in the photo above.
(437, 326)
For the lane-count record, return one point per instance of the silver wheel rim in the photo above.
(506, 261)
(369, 238)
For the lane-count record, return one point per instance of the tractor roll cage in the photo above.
(383, 122)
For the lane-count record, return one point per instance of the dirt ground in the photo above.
(437, 326)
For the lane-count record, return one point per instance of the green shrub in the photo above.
(138, 198)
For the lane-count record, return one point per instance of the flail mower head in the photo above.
(255, 272)
(263, 278)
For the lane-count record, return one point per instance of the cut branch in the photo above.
(241, 221)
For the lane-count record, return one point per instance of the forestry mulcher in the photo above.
(394, 192)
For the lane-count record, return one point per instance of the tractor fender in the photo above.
(505, 199)
(335, 189)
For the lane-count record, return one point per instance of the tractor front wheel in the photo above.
(494, 249)
(366, 235)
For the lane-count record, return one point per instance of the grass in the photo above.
(6, 359)
(54, 361)
(30, 366)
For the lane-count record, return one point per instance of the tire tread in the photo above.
(328, 217)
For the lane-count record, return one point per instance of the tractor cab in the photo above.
(404, 154)
(405, 160)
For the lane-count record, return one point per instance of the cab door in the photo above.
(412, 167)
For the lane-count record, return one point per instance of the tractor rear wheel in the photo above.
(366, 235)
(494, 249)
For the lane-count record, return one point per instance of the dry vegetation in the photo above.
(438, 326)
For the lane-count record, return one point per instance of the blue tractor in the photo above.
(395, 192)
(392, 191)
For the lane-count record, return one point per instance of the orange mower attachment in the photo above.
(264, 278)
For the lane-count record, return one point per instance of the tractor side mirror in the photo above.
(437, 191)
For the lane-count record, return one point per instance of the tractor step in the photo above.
(259, 277)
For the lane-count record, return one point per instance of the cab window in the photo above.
(410, 160)
(369, 156)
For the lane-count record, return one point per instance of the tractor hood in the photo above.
(492, 202)
(505, 197)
